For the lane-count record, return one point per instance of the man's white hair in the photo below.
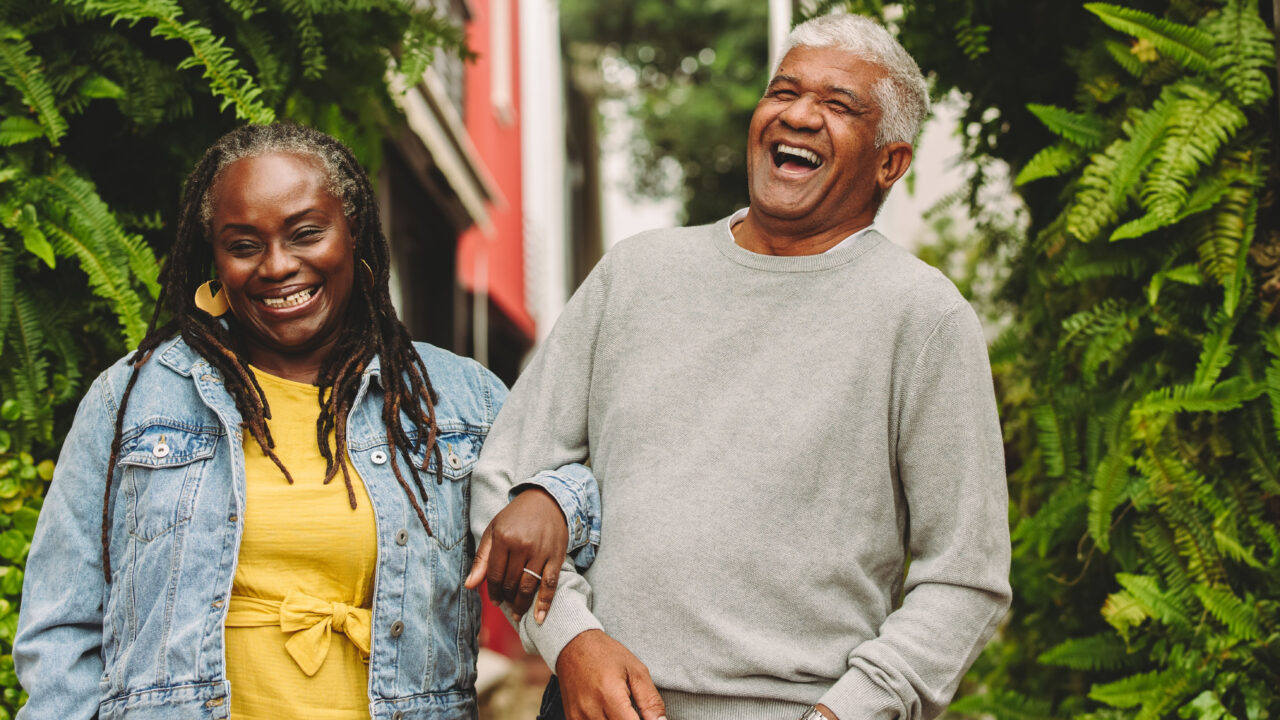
(903, 96)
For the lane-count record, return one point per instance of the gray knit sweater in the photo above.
(774, 438)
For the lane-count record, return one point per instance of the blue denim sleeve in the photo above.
(58, 647)
(574, 489)
(572, 486)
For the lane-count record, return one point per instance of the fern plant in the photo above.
(1145, 486)
(105, 106)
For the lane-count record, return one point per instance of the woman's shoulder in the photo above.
(162, 379)
(466, 389)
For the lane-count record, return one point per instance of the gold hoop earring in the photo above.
(211, 301)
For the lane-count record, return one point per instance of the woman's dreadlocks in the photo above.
(371, 327)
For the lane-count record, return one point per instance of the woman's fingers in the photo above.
(481, 562)
(550, 579)
(528, 584)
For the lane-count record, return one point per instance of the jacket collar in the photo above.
(179, 357)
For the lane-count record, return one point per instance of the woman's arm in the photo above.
(57, 650)
(549, 514)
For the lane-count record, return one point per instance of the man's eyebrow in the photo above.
(854, 97)
(782, 79)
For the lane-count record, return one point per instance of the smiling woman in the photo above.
(193, 541)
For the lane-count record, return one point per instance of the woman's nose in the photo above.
(278, 262)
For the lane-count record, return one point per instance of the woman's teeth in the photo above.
(295, 299)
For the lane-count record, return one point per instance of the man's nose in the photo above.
(803, 113)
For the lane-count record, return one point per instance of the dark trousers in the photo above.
(552, 706)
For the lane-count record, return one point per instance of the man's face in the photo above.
(812, 163)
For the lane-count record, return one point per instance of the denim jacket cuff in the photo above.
(575, 498)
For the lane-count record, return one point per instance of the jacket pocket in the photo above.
(449, 501)
(162, 463)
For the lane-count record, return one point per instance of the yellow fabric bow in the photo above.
(312, 622)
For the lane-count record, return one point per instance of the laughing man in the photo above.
(782, 409)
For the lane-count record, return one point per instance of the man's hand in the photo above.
(530, 532)
(601, 680)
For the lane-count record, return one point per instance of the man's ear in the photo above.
(895, 159)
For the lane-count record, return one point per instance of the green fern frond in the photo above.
(1003, 705)
(1105, 186)
(105, 281)
(29, 367)
(89, 214)
(17, 129)
(226, 78)
(1233, 289)
(1240, 617)
(1050, 162)
(1130, 692)
(1123, 611)
(1189, 46)
(1049, 432)
(1271, 341)
(22, 70)
(1225, 396)
(1199, 124)
(1059, 511)
(1158, 603)
(1110, 483)
(1215, 354)
(8, 283)
(1124, 57)
(1081, 129)
(1187, 274)
(1231, 547)
(1156, 538)
(1243, 52)
(1104, 651)
(23, 218)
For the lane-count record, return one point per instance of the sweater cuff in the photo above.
(855, 696)
(567, 619)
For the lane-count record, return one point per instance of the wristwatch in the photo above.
(813, 714)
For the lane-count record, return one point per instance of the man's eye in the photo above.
(783, 94)
(838, 106)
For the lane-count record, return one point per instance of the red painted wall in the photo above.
(497, 140)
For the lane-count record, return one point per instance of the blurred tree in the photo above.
(696, 68)
(106, 105)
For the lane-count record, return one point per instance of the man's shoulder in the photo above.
(901, 273)
(662, 245)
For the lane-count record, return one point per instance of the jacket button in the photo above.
(397, 627)
(397, 715)
(455, 462)
(161, 449)
(402, 536)
(378, 457)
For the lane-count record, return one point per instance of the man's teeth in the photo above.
(807, 155)
(295, 299)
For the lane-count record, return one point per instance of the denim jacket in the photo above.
(149, 645)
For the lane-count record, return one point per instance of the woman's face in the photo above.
(285, 257)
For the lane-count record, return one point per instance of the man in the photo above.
(781, 410)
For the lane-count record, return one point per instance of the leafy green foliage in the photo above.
(106, 104)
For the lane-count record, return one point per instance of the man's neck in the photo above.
(768, 238)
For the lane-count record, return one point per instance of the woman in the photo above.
(192, 542)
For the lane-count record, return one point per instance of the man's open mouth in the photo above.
(290, 300)
(788, 157)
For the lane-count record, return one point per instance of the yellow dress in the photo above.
(297, 630)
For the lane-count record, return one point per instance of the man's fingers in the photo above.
(617, 702)
(550, 580)
(645, 695)
(481, 563)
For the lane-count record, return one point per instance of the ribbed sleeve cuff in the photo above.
(857, 697)
(567, 619)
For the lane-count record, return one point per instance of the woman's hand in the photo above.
(522, 548)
